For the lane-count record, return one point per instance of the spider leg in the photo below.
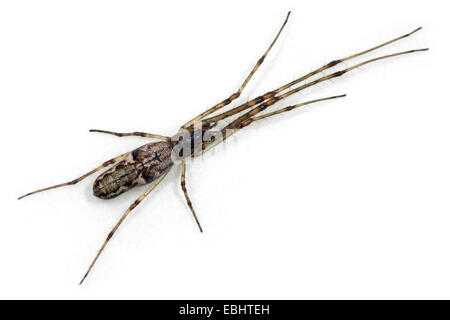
(139, 134)
(225, 132)
(110, 235)
(271, 94)
(183, 186)
(104, 165)
(236, 95)
(248, 121)
(286, 109)
(273, 100)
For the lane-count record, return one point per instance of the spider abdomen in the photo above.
(139, 167)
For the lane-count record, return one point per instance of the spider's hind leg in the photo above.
(137, 133)
(104, 165)
(113, 231)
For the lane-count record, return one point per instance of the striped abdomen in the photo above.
(141, 166)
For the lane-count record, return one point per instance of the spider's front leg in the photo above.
(236, 95)
(237, 123)
(273, 93)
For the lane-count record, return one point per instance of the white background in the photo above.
(343, 199)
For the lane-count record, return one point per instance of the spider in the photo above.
(151, 162)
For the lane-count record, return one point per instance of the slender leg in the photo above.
(273, 100)
(286, 109)
(271, 94)
(233, 126)
(183, 186)
(248, 121)
(238, 93)
(139, 134)
(104, 165)
(110, 235)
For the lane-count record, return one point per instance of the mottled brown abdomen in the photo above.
(140, 166)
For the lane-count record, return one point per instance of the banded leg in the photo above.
(234, 126)
(271, 94)
(110, 235)
(104, 165)
(183, 186)
(248, 121)
(236, 95)
(236, 123)
(286, 109)
(137, 133)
